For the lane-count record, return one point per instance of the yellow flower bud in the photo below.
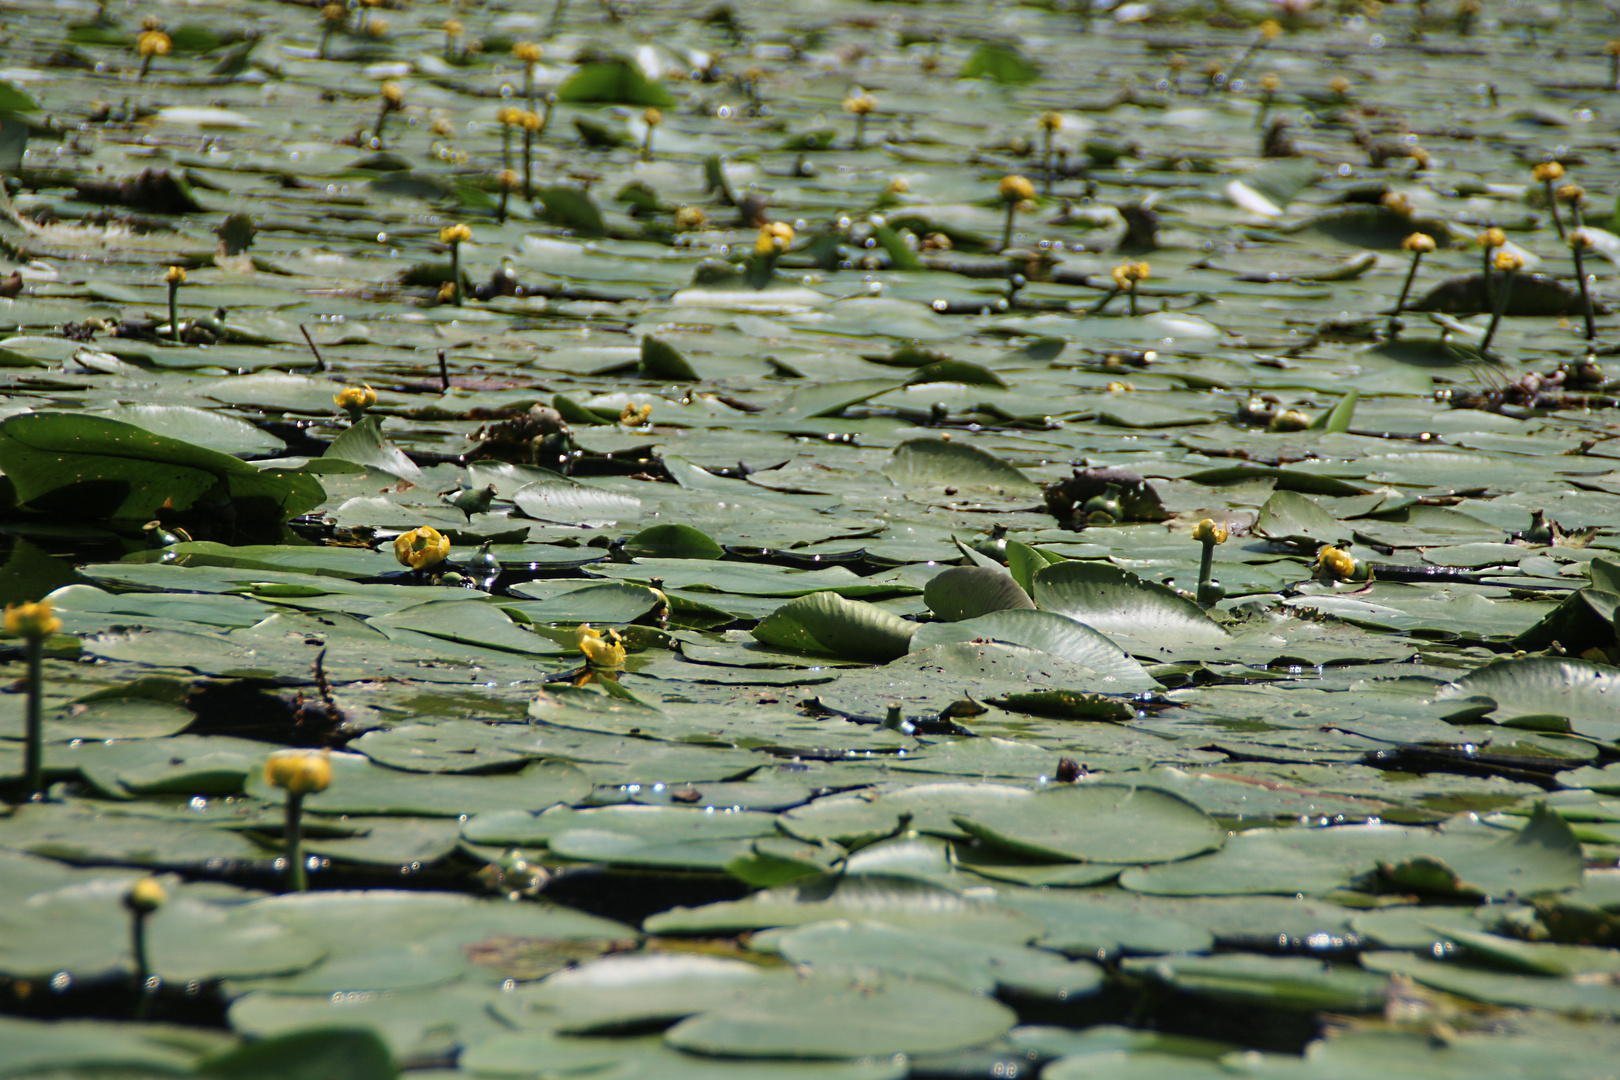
(1207, 532)
(1127, 274)
(1333, 563)
(146, 896)
(1289, 420)
(509, 116)
(652, 118)
(300, 772)
(35, 621)
(453, 28)
(355, 399)
(1580, 239)
(1270, 83)
(774, 237)
(393, 96)
(507, 179)
(860, 103)
(422, 547)
(1015, 189)
(175, 276)
(636, 415)
(526, 51)
(1051, 121)
(530, 121)
(1508, 260)
(334, 13)
(1570, 193)
(1612, 47)
(1421, 243)
(454, 234)
(153, 43)
(1339, 85)
(690, 218)
(1548, 170)
(1270, 29)
(1492, 238)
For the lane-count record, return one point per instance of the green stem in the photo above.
(556, 15)
(1049, 161)
(1133, 299)
(528, 84)
(174, 311)
(1586, 296)
(860, 131)
(1502, 295)
(1552, 205)
(1406, 289)
(1206, 565)
(33, 747)
(143, 969)
(501, 214)
(382, 115)
(1096, 309)
(506, 147)
(528, 158)
(1006, 232)
(455, 270)
(1490, 282)
(297, 873)
(646, 145)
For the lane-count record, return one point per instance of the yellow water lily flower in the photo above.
(421, 547)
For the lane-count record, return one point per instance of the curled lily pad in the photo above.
(826, 622)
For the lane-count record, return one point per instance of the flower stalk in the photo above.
(1507, 264)
(1547, 174)
(1490, 241)
(1580, 241)
(1050, 123)
(298, 773)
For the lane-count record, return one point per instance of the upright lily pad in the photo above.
(826, 622)
(90, 466)
(1137, 613)
(968, 592)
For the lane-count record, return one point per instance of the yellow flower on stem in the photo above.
(1547, 174)
(860, 105)
(1208, 533)
(1127, 275)
(774, 238)
(421, 548)
(1419, 244)
(33, 623)
(454, 235)
(652, 118)
(298, 773)
(1013, 190)
(355, 400)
